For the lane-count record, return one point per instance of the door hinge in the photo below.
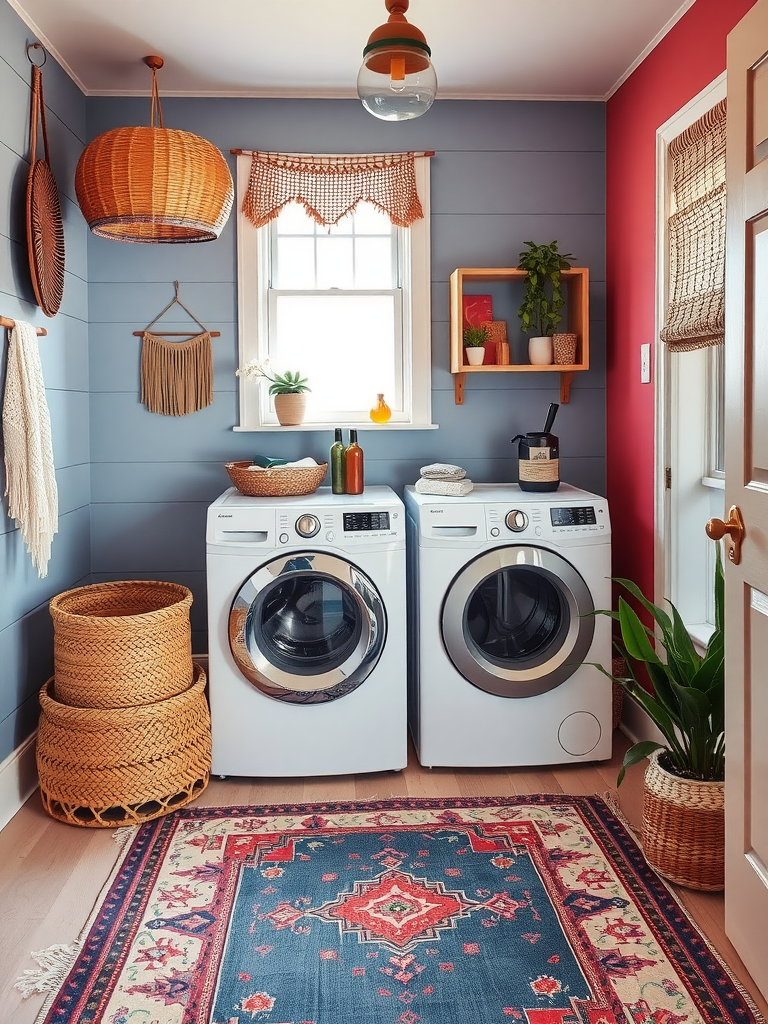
(668, 478)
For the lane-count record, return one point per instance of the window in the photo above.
(346, 305)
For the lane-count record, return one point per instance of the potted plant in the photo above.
(683, 829)
(474, 345)
(289, 390)
(540, 312)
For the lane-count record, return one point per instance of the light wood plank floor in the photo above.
(51, 874)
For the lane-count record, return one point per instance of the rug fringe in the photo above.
(611, 797)
(55, 964)
(123, 836)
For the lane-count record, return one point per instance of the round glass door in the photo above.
(307, 628)
(516, 621)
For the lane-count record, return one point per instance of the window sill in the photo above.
(717, 483)
(277, 429)
(700, 632)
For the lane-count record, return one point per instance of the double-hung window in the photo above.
(346, 304)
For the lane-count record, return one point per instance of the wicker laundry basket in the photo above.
(121, 644)
(105, 767)
(276, 481)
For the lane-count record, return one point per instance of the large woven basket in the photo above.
(100, 768)
(683, 828)
(121, 644)
(276, 482)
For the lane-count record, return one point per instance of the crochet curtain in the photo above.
(696, 311)
(329, 187)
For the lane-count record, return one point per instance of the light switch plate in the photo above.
(645, 364)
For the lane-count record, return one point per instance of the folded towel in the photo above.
(30, 478)
(443, 471)
(449, 488)
(299, 464)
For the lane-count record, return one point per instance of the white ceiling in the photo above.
(481, 49)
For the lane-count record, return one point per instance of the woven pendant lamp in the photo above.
(154, 184)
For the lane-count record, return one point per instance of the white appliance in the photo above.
(306, 616)
(502, 583)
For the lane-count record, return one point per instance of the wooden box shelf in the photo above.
(508, 283)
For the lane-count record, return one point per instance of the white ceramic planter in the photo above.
(540, 351)
(474, 356)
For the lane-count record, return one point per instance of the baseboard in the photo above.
(18, 779)
(636, 723)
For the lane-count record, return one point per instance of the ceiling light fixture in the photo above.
(397, 81)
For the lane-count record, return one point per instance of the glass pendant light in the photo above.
(397, 81)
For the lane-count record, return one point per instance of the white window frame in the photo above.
(256, 411)
(683, 556)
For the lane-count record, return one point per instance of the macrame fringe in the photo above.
(55, 964)
(176, 377)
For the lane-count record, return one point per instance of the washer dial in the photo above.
(516, 520)
(307, 525)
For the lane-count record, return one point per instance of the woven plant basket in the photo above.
(277, 482)
(101, 768)
(683, 828)
(121, 644)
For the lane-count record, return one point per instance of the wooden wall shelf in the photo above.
(471, 281)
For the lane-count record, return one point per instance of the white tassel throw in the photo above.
(30, 478)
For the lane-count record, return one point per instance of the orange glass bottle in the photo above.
(353, 465)
(380, 413)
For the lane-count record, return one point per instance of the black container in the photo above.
(538, 457)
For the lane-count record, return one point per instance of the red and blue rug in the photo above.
(538, 909)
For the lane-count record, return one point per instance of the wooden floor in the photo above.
(51, 874)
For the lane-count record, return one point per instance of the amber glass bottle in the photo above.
(337, 464)
(353, 465)
(380, 413)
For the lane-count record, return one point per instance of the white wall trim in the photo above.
(18, 779)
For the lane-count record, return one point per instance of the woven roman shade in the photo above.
(696, 310)
(330, 187)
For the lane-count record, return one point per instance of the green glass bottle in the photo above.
(338, 452)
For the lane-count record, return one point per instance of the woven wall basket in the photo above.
(683, 828)
(121, 644)
(100, 768)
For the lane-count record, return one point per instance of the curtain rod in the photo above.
(250, 152)
(5, 321)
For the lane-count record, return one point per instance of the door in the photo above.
(517, 621)
(307, 627)
(746, 473)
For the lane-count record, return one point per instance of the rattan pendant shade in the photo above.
(154, 184)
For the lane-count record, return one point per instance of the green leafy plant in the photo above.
(687, 696)
(540, 312)
(288, 383)
(474, 337)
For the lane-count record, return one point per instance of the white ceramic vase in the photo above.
(474, 356)
(540, 351)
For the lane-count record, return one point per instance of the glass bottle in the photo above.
(381, 412)
(337, 463)
(353, 465)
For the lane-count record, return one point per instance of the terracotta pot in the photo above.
(289, 409)
(683, 828)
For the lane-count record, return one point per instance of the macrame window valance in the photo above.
(696, 311)
(329, 187)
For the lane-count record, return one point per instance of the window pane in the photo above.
(294, 220)
(369, 220)
(344, 344)
(295, 263)
(373, 263)
(334, 262)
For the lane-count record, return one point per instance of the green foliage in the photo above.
(288, 384)
(474, 337)
(540, 312)
(687, 696)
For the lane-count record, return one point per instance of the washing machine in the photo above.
(503, 584)
(306, 616)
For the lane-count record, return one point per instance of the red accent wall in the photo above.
(689, 57)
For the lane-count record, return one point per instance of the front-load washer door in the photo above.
(307, 627)
(517, 621)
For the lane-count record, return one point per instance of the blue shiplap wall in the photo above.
(503, 173)
(25, 626)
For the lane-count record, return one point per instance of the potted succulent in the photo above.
(474, 345)
(540, 312)
(289, 390)
(683, 828)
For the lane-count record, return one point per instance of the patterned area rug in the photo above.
(538, 909)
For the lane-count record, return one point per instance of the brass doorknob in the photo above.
(734, 528)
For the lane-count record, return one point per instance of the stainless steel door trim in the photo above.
(535, 675)
(323, 686)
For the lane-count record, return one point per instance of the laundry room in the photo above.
(406, 574)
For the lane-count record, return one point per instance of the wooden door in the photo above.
(746, 472)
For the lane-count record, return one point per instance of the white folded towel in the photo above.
(299, 464)
(443, 471)
(30, 477)
(449, 488)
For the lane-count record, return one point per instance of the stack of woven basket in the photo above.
(125, 732)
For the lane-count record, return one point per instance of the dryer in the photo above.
(502, 587)
(306, 616)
